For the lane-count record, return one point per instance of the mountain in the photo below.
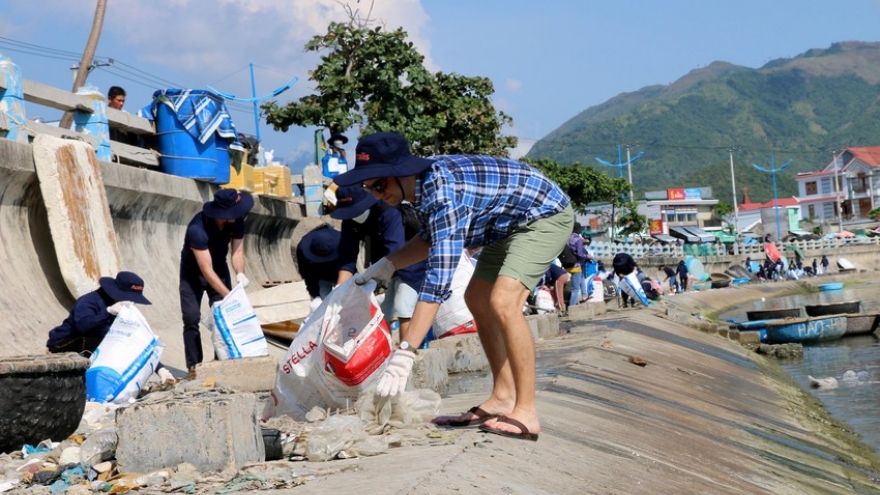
(800, 109)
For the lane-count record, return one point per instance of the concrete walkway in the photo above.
(704, 415)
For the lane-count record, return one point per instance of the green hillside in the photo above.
(801, 109)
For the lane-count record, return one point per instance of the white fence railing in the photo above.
(607, 250)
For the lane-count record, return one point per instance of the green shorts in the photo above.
(527, 253)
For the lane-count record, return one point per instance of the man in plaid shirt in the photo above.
(519, 217)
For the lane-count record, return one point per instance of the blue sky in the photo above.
(548, 60)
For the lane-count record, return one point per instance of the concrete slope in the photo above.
(705, 415)
(150, 211)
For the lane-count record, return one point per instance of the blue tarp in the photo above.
(200, 112)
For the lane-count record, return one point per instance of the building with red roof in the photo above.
(844, 189)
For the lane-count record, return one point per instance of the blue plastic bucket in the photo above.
(182, 154)
(223, 162)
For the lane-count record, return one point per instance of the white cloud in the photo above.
(513, 85)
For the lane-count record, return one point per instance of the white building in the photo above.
(846, 182)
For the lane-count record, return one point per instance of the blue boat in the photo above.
(831, 286)
(805, 330)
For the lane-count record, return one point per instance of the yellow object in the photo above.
(273, 181)
(243, 181)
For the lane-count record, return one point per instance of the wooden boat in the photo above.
(861, 323)
(838, 308)
(831, 286)
(806, 330)
(773, 314)
(719, 280)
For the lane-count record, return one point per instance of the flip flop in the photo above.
(523, 435)
(481, 417)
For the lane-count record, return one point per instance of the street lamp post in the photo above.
(620, 164)
(772, 172)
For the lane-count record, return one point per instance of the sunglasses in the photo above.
(378, 187)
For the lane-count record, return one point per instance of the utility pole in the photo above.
(86, 62)
(837, 201)
(735, 208)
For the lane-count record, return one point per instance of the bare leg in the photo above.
(506, 300)
(503, 397)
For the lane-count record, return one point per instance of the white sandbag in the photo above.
(339, 352)
(544, 300)
(124, 360)
(631, 285)
(453, 316)
(237, 332)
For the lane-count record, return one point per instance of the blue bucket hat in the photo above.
(383, 154)
(228, 204)
(321, 245)
(623, 264)
(351, 201)
(127, 286)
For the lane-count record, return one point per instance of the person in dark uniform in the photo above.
(384, 229)
(555, 278)
(93, 314)
(317, 259)
(671, 278)
(211, 235)
(682, 272)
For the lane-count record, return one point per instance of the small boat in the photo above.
(838, 308)
(806, 330)
(831, 286)
(861, 323)
(773, 314)
(719, 280)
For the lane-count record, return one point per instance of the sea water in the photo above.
(853, 401)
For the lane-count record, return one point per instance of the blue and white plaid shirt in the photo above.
(468, 201)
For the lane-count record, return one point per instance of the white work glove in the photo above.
(393, 380)
(165, 375)
(380, 271)
(243, 280)
(315, 304)
(116, 308)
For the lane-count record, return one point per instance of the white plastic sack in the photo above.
(124, 360)
(453, 316)
(544, 300)
(237, 332)
(631, 285)
(339, 352)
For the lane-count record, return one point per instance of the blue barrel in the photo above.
(182, 153)
(223, 162)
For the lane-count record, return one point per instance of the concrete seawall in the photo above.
(150, 211)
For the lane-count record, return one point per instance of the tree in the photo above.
(725, 210)
(585, 185)
(376, 80)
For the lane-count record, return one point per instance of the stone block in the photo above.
(545, 326)
(429, 371)
(749, 337)
(463, 353)
(212, 430)
(587, 310)
(251, 374)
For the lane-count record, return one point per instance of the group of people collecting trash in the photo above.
(420, 215)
